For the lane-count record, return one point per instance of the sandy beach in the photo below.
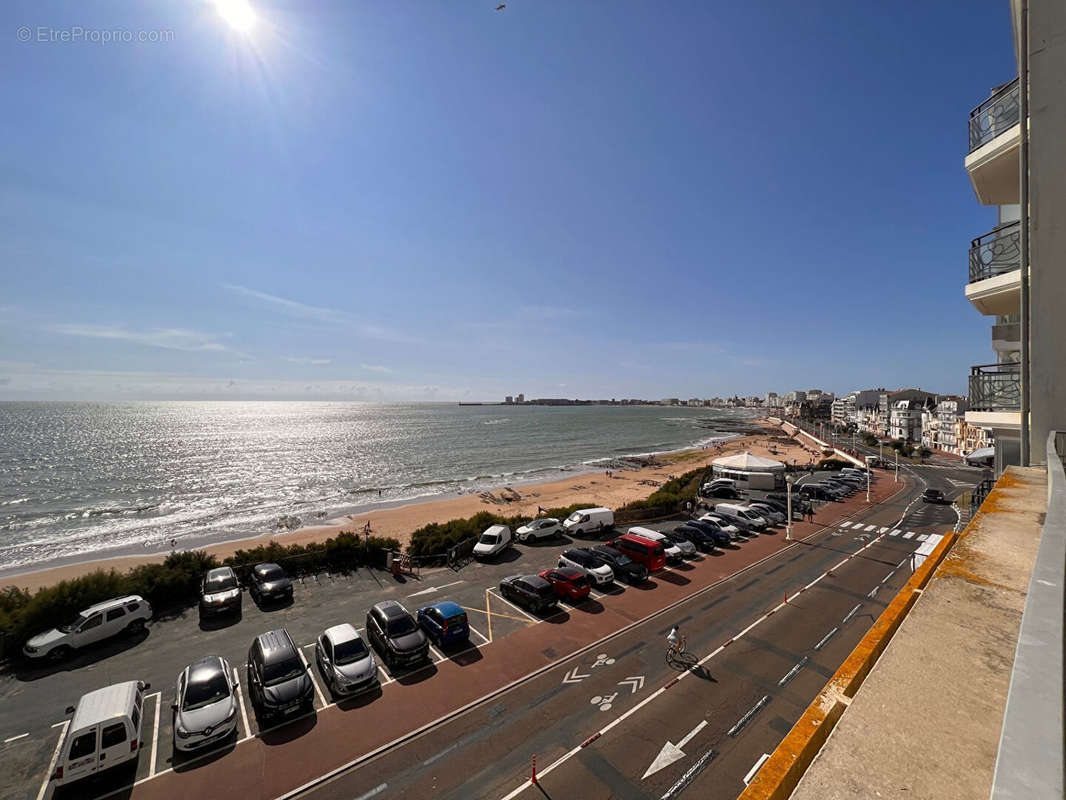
(621, 488)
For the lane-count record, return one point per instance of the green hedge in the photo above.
(342, 552)
(670, 498)
(436, 538)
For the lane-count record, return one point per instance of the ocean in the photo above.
(89, 480)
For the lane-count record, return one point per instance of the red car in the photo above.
(569, 583)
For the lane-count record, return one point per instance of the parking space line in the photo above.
(440, 656)
(530, 617)
(388, 678)
(155, 731)
(472, 629)
(55, 758)
(244, 711)
(311, 675)
(10, 739)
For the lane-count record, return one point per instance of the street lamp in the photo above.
(867, 483)
(788, 525)
(896, 479)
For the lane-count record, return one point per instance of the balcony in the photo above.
(995, 396)
(992, 159)
(995, 270)
(1007, 337)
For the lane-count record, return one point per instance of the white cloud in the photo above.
(312, 361)
(375, 368)
(167, 338)
(291, 307)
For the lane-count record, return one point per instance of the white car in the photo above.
(346, 663)
(493, 541)
(539, 529)
(94, 624)
(772, 515)
(595, 568)
(205, 707)
(722, 523)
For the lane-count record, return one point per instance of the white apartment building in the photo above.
(796, 397)
(948, 414)
(772, 400)
(843, 409)
(905, 421)
(1017, 163)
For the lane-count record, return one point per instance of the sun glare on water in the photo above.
(238, 13)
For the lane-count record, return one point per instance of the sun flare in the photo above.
(238, 13)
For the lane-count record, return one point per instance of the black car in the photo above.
(395, 634)
(278, 679)
(624, 567)
(817, 492)
(933, 496)
(710, 531)
(723, 493)
(531, 591)
(269, 582)
(220, 593)
(799, 504)
(691, 533)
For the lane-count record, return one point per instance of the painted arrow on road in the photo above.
(635, 682)
(672, 752)
(573, 676)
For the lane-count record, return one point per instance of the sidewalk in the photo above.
(926, 722)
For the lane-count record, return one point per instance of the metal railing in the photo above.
(995, 253)
(1030, 758)
(996, 387)
(995, 115)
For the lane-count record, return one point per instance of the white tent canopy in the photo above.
(748, 462)
(982, 454)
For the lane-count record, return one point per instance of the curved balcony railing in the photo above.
(995, 115)
(996, 252)
(996, 387)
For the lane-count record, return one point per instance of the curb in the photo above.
(780, 774)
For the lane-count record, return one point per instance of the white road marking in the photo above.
(388, 678)
(908, 534)
(870, 528)
(373, 792)
(873, 592)
(904, 561)
(751, 712)
(55, 757)
(440, 656)
(882, 530)
(889, 575)
(64, 722)
(311, 675)
(921, 537)
(896, 532)
(525, 614)
(851, 614)
(484, 638)
(432, 589)
(10, 739)
(753, 770)
(244, 711)
(845, 524)
(155, 731)
(792, 672)
(826, 638)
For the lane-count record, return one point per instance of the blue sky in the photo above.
(438, 201)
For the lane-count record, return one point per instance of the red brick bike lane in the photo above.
(279, 761)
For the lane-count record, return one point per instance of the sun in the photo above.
(238, 13)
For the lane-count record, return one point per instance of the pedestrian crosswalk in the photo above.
(864, 532)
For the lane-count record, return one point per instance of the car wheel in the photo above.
(136, 626)
(60, 653)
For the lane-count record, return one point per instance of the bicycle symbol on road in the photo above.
(602, 660)
(604, 701)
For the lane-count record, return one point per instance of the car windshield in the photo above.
(281, 671)
(272, 573)
(220, 583)
(349, 651)
(401, 626)
(205, 692)
(490, 538)
(621, 559)
(575, 517)
(73, 625)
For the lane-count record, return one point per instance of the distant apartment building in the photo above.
(843, 409)
(1022, 256)
(795, 397)
(508, 400)
(905, 421)
(948, 414)
(520, 398)
(772, 400)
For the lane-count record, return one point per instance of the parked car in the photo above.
(768, 512)
(670, 550)
(569, 583)
(445, 623)
(278, 679)
(104, 733)
(933, 496)
(839, 490)
(586, 561)
(649, 553)
(800, 505)
(545, 528)
(98, 622)
(818, 492)
(624, 567)
(347, 665)
(394, 633)
(270, 583)
(698, 537)
(734, 511)
(683, 543)
(712, 533)
(220, 593)
(723, 524)
(589, 520)
(494, 540)
(718, 483)
(205, 704)
(530, 591)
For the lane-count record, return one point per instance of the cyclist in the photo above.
(676, 640)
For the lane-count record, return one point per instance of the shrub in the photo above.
(669, 498)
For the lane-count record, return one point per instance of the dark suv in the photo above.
(220, 593)
(396, 635)
(531, 591)
(624, 567)
(933, 496)
(269, 582)
(277, 677)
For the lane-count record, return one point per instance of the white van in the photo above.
(493, 541)
(672, 551)
(736, 510)
(109, 618)
(104, 733)
(589, 520)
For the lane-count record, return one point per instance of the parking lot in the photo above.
(34, 700)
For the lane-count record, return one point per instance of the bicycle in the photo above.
(678, 648)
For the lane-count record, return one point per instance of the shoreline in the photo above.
(399, 521)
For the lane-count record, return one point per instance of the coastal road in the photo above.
(507, 647)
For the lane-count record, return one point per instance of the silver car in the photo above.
(346, 663)
(205, 708)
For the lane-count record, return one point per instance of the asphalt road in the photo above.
(483, 751)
